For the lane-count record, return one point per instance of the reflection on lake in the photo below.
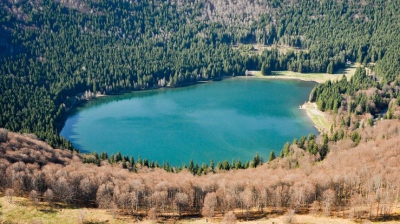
(232, 119)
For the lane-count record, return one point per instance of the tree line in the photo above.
(353, 181)
(129, 163)
(53, 51)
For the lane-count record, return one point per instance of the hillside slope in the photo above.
(54, 54)
(359, 181)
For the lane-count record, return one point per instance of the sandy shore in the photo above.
(284, 77)
(310, 77)
(319, 118)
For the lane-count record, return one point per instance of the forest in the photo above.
(354, 181)
(55, 53)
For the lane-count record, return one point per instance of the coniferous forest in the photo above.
(53, 51)
(55, 54)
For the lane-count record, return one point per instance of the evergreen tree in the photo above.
(191, 166)
(285, 150)
(257, 160)
(212, 164)
(271, 156)
(265, 69)
(329, 69)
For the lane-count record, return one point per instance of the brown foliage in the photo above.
(229, 218)
(210, 203)
(363, 179)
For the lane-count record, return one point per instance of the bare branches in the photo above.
(361, 182)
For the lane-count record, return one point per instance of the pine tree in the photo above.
(271, 156)
(257, 160)
(212, 164)
(265, 69)
(191, 166)
(329, 69)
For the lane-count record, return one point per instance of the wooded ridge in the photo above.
(53, 51)
(54, 54)
(353, 181)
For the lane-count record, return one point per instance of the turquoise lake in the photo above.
(231, 119)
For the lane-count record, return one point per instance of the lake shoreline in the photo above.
(278, 77)
(318, 117)
(193, 105)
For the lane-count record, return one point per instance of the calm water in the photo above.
(231, 119)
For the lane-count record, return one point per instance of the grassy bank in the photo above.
(21, 210)
(318, 117)
(315, 77)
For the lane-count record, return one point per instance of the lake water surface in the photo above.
(232, 119)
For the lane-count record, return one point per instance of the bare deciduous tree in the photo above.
(328, 201)
(152, 214)
(9, 194)
(230, 218)
(210, 203)
(289, 218)
(331, 185)
(181, 199)
(48, 197)
(34, 197)
(314, 207)
(3, 135)
(105, 195)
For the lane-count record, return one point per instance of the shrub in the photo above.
(3, 135)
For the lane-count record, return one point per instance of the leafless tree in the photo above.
(230, 218)
(314, 208)
(105, 195)
(160, 199)
(9, 194)
(48, 196)
(210, 203)
(62, 190)
(247, 200)
(87, 190)
(134, 199)
(289, 218)
(34, 197)
(181, 199)
(328, 201)
(3, 135)
(335, 183)
(152, 214)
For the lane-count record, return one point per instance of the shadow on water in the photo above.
(224, 116)
(93, 103)
(73, 114)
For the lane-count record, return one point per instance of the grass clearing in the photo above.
(315, 77)
(318, 117)
(280, 219)
(251, 49)
(21, 210)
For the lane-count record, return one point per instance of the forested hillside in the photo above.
(53, 51)
(354, 181)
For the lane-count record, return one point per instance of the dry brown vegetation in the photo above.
(353, 181)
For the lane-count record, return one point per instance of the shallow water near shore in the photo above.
(231, 119)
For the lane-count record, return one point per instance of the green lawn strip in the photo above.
(320, 121)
